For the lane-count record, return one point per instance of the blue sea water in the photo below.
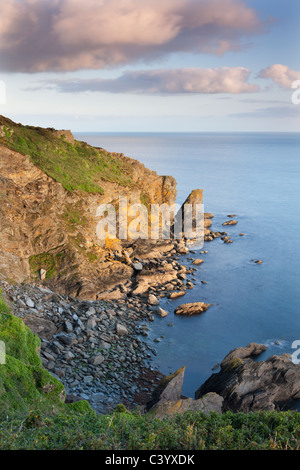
(257, 177)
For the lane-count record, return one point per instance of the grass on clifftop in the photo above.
(80, 428)
(77, 166)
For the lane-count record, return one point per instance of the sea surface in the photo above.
(257, 177)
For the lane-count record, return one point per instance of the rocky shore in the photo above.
(95, 348)
(98, 349)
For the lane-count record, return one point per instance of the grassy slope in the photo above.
(24, 383)
(76, 166)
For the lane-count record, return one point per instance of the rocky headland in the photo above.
(91, 301)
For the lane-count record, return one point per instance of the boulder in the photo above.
(137, 266)
(153, 300)
(42, 274)
(98, 359)
(121, 330)
(206, 404)
(29, 302)
(168, 390)
(252, 350)
(66, 338)
(192, 308)
(230, 222)
(175, 295)
(44, 328)
(247, 385)
(188, 210)
(161, 312)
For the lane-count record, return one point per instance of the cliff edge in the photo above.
(50, 188)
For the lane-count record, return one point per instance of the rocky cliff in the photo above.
(50, 188)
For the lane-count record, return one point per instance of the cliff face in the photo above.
(47, 219)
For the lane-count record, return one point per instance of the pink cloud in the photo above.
(62, 35)
(282, 75)
(165, 82)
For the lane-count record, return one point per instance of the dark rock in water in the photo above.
(252, 350)
(247, 385)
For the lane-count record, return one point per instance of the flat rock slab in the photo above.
(230, 222)
(192, 308)
(198, 261)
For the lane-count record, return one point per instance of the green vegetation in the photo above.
(48, 261)
(145, 200)
(234, 363)
(24, 383)
(79, 428)
(77, 166)
(73, 216)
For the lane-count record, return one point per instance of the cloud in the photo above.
(282, 75)
(69, 35)
(163, 82)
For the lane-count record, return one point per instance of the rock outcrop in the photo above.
(206, 404)
(247, 385)
(48, 232)
(167, 399)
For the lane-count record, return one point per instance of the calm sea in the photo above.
(257, 177)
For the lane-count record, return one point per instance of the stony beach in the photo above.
(98, 348)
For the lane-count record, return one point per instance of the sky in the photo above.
(151, 65)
